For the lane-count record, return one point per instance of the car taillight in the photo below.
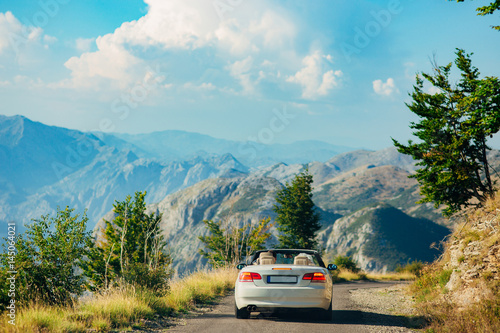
(249, 276)
(315, 277)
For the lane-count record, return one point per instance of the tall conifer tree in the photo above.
(297, 218)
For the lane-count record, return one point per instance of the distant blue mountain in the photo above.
(179, 145)
(33, 155)
(45, 167)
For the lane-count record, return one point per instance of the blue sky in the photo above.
(271, 71)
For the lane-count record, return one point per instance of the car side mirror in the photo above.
(240, 266)
(331, 267)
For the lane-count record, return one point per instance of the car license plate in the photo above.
(281, 279)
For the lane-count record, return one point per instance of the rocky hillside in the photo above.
(381, 237)
(44, 167)
(235, 201)
(362, 206)
(351, 181)
(461, 291)
(473, 257)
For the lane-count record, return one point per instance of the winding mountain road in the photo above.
(346, 317)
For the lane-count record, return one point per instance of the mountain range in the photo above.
(42, 167)
(191, 177)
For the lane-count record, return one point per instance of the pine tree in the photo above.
(454, 125)
(297, 219)
(488, 10)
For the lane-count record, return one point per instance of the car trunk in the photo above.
(286, 276)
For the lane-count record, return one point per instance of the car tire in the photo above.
(326, 315)
(241, 314)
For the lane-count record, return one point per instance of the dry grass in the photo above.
(404, 276)
(44, 319)
(346, 275)
(200, 287)
(482, 317)
(125, 308)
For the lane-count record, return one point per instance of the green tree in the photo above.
(227, 246)
(487, 10)
(47, 255)
(453, 129)
(297, 218)
(346, 262)
(131, 248)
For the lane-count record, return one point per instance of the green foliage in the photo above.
(132, 249)
(297, 218)
(444, 277)
(227, 246)
(47, 255)
(430, 283)
(452, 131)
(487, 10)
(415, 267)
(346, 263)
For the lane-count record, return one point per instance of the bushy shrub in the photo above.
(414, 267)
(346, 262)
(47, 255)
(152, 278)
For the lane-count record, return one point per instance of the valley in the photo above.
(366, 200)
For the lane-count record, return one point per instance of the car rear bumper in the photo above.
(272, 298)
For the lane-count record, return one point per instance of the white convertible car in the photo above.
(284, 279)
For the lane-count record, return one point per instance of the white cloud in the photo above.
(385, 89)
(241, 70)
(112, 62)
(204, 86)
(84, 44)
(49, 39)
(16, 36)
(316, 81)
(181, 25)
(25, 81)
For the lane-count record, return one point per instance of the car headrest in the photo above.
(301, 260)
(267, 261)
(266, 254)
(266, 258)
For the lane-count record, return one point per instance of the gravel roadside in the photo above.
(387, 309)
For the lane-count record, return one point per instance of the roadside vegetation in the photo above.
(348, 270)
(126, 308)
(461, 291)
(125, 271)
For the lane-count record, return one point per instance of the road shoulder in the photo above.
(387, 309)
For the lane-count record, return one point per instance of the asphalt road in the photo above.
(345, 317)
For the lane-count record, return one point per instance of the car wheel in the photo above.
(327, 314)
(241, 314)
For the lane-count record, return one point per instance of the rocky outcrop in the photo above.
(473, 256)
(234, 201)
